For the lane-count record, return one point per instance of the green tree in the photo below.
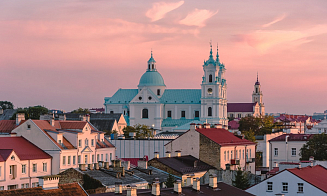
(170, 181)
(241, 179)
(32, 112)
(249, 135)
(142, 131)
(316, 147)
(81, 111)
(6, 105)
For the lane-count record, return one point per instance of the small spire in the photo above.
(217, 56)
(151, 53)
(257, 77)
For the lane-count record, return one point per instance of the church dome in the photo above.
(151, 78)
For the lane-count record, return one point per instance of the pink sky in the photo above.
(70, 54)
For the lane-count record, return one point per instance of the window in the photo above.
(92, 142)
(68, 161)
(158, 91)
(106, 157)
(85, 159)
(64, 160)
(149, 66)
(239, 153)
(183, 114)
(111, 112)
(196, 114)
(276, 151)
(23, 169)
(231, 115)
(239, 115)
(101, 157)
(93, 158)
(86, 142)
(2, 188)
(285, 187)
(59, 142)
(23, 186)
(11, 169)
(224, 155)
(28, 126)
(79, 143)
(34, 167)
(98, 159)
(247, 153)
(74, 160)
(228, 155)
(231, 154)
(145, 113)
(293, 151)
(210, 91)
(243, 154)
(169, 114)
(79, 159)
(236, 154)
(45, 167)
(152, 66)
(35, 184)
(250, 154)
(256, 90)
(26, 185)
(300, 187)
(210, 78)
(209, 111)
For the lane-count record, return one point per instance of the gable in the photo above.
(86, 149)
(145, 96)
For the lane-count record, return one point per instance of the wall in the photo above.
(209, 152)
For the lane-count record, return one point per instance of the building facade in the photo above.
(164, 109)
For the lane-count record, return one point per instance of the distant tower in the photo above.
(257, 96)
(214, 91)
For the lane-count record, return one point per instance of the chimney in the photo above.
(90, 166)
(218, 126)
(126, 165)
(168, 154)
(276, 164)
(106, 165)
(62, 117)
(142, 164)
(96, 166)
(131, 190)
(156, 155)
(189, 180)
(82, 167)
(49, 182)
(178, 187)
(156, 188)
(213, 181)
(177, 153)
(195, 163)
(206, 125)
(19, 118)
(196, 184)
(118, 188)
(87, 117)
(311, 158)
(192, 127)
(116, 163)
(82, 117)
(52, 121)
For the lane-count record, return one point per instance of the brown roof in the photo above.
(205, 190)
(183, 164)
(240, 107)
(72, 124)
(104, 144)
(292, 137)
(6, 126)
(72, 189)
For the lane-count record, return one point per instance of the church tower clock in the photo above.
(214, 92)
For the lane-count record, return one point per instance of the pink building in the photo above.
(21, 162)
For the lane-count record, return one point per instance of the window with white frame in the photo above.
(92, 142)
(300, 187)
(239, 152)
(224, 155)
(243, 154)
(293, 151)
(98, 157)
(227, 155)
(276, 151)
(74, 160)
(64, 160)
(92, 158)
(86, 159)
(285, 186)
(34, 167)
(27, 185)
(106, 157)
(239, 115)
(250, 154)
(2, 188)
(45, 167)
(235, 154)
(68, 160)
(101, 157)
(79, 143)
(79, 159)
(86, 142)
(23, 186)
(110, 156)
(231, 154)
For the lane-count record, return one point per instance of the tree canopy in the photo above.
(316, 147)
(81, 111)
(6, 105)
(241, 179)
(170, 181)
(32, 112)
(142, 131)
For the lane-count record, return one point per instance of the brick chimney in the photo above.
(131, 190)
(196, 184)
(192, 126)
(156, 155)
(52, 121)
(19, 118)
(189, 180)
(206, 125)
(168, 154)
(218, 126)
(142, 164)
(178, 153)
(49, 182)
(155, 188)
(213, 181)
(118, 188)
(178, 187)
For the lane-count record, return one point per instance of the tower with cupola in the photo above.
(257, 96)
(214, 91)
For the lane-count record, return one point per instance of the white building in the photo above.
(319, 128)
(297, 181)
(70, 143)
(165, 109)
(286, 148)
(21, 163)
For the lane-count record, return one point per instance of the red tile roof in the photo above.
(24, 149)
(72, 124)
(223, 137)
(273, 171)
(316, 175)
(289, 163)
(240, 107)
(104, 144)
(4, 154)
(134, 161)
(71, 189)
(293, 137)
(6, 126)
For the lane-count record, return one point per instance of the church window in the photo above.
(210, 78)
(140, 98)
(124, 112)
(169, 114)
(145, 113)
(149, 66)
(196, 114)
(158, 91)
(149, 97)
(152, 66)
(209, 111)
(183, 114)
(256, 90)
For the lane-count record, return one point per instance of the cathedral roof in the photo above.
(122, 96)
(151, 78)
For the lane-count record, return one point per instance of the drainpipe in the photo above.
(29, 173)
(286, 147)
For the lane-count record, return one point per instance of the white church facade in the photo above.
(165, 109)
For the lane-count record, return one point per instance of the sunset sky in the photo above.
(69, 54)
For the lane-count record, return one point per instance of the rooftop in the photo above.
(292, 137)
(240, 107)
(6, 126)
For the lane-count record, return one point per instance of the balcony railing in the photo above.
(250, 160)
(234, 162)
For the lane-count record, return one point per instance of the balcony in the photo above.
(250, 160)
(234, 162)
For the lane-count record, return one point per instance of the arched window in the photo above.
(152, 66)
(145, 113)
(209, 111)
(158, 91)
(210, 78)
(256, 90)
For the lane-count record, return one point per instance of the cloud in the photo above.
(160, 9)
(197, 18)
(263, 40)
(279, 18)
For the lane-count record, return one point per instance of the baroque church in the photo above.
(167, 109)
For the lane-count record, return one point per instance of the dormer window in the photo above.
(28, 126)
(12, 158)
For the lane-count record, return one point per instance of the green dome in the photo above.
(151, 78)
